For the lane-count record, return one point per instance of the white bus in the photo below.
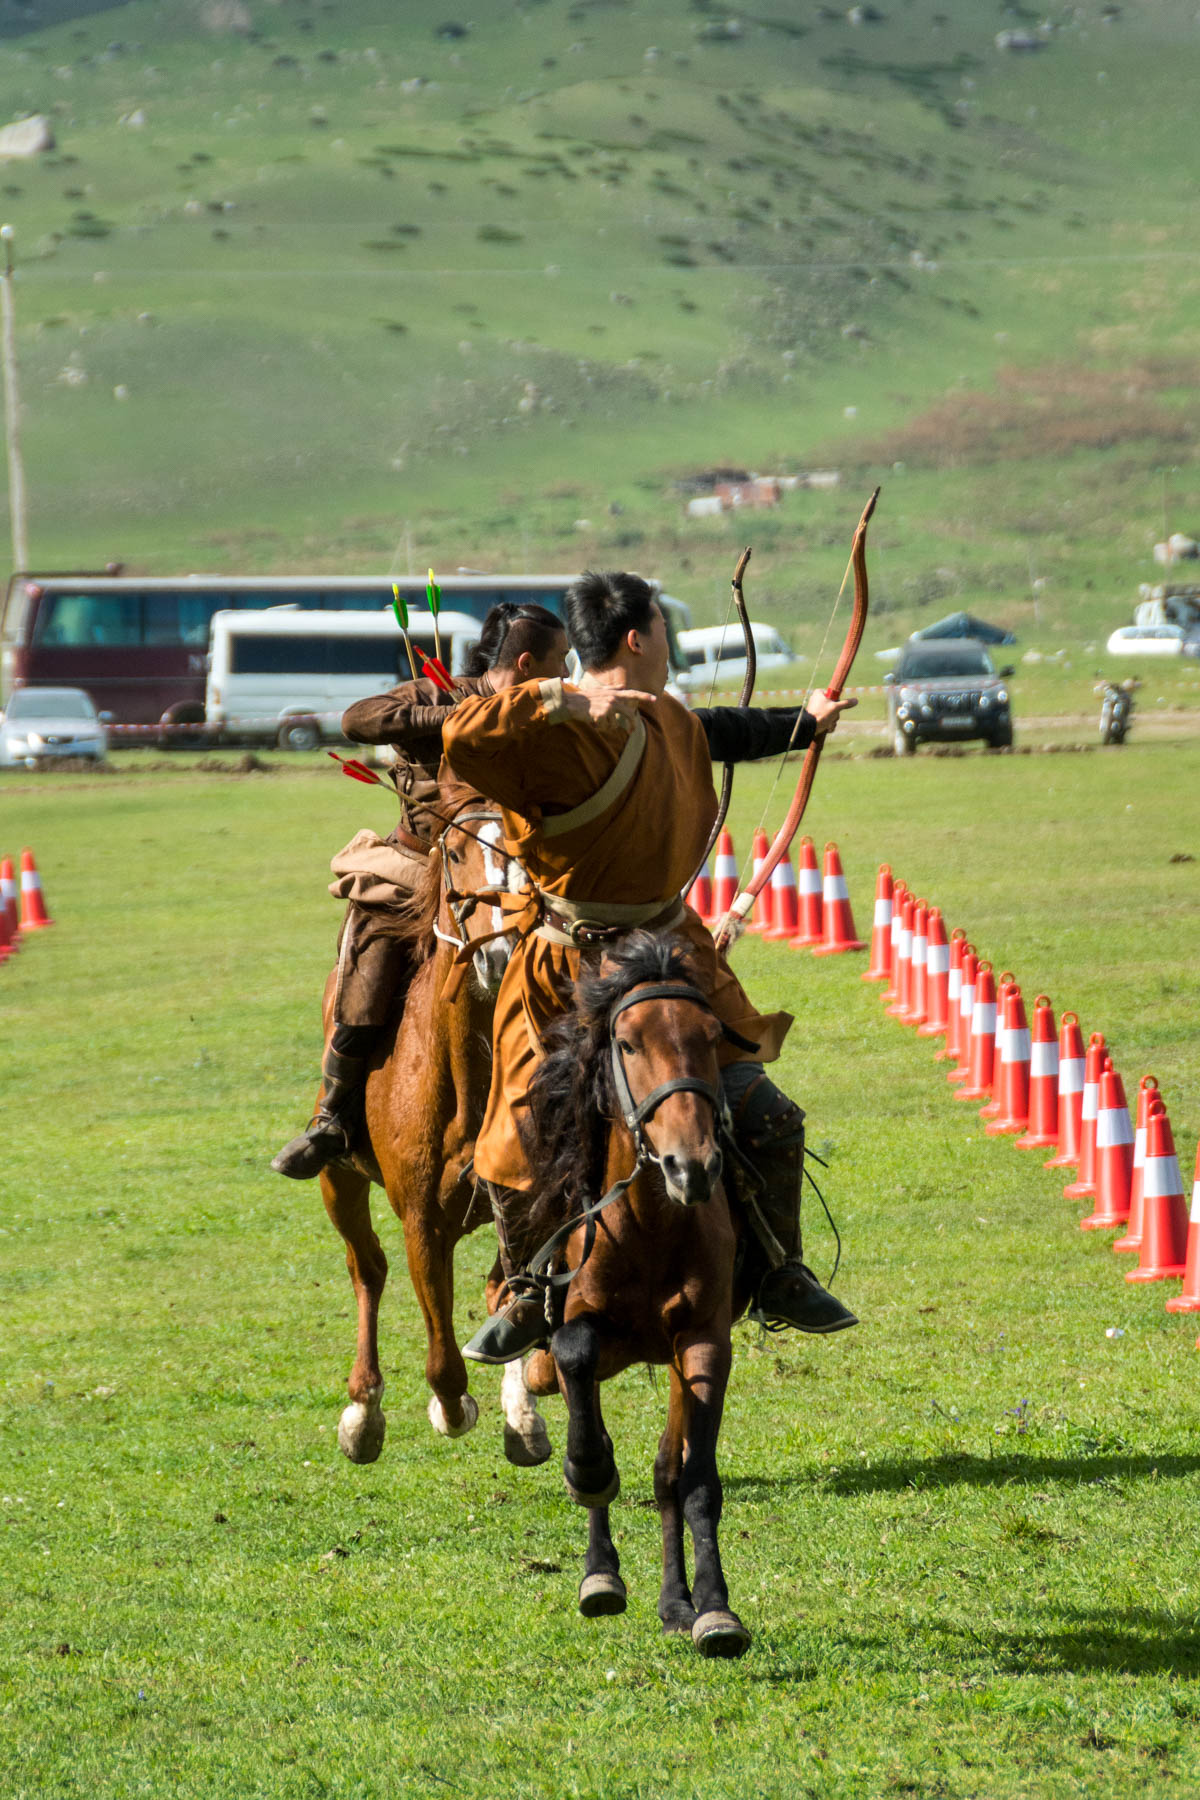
(286, 676)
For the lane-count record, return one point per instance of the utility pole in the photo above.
(12, 408)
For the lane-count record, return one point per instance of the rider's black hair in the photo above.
(511, 628)
(601, 609)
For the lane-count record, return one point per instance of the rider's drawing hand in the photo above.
(611, 709)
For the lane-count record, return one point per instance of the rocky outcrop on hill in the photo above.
(26, 137)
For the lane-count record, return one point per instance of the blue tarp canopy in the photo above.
(965, 625)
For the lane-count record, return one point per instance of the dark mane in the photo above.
(413, 922)
(570, 1100)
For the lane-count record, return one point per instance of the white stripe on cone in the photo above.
(809, 881)
(1161, 1177)
(937, 960)
(1043, 1061)
(1070, 1075)
(835, 889)
(1113, 1127)
(883, 912)
(1194, 1217)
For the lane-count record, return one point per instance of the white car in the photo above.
(39, 724)
(720, 650)
(1153, 640)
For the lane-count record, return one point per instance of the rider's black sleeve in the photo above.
(745, 733)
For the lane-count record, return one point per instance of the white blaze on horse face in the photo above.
(504, 872)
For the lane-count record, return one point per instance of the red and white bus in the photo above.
(139, 645)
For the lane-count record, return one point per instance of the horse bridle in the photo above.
(461, 904)
(538, 1274)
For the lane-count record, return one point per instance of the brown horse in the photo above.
(629, 1097)
(424, 1105)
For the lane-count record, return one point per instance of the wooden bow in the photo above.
(744, 698)
(734, 921)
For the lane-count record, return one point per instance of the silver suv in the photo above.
(947, 688)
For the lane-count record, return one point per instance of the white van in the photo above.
(721, 650)
(286, 676)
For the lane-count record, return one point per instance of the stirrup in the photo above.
(517, 1326)
(325, 1140)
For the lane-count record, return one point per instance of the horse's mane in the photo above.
(570, 1100)
(413, 922)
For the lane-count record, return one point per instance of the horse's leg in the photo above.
(526, 1440)
(430, 1249)
(675, 1607)
(347, 1196)
(588, 1467)
(704, 1367)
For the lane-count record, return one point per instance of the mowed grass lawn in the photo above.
(963, 1534)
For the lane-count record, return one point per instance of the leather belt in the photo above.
(582, 933)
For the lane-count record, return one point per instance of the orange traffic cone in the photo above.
(700, 895)
(981, 1067)
(1043, 1080)
(881, 927)
(839, 934)
(902, 959)
(1005, 984)
(6, 937)
(1164, 1215)
(937, 976)
(915, 1015)
(781, 904)
(891, 992)
(34, 916)
(1015, 1059)
(958, 947)
(725, 883)
(1071, 1065)
(762, 917)
(1114, 1157)
(8, 900)
(1132, 1240)
(808, 886)
(1189, 1300)
(966, 1012)
(1084, 1186)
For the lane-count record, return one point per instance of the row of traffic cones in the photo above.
(1042, 1087)
(805, 907)
(33, 915)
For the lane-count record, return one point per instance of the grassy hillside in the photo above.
(301, 279)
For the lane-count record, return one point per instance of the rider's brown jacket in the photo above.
(521, 749)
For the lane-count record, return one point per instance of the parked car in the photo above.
(721, 650)
(41, 724)
(1154, 640)
(945, 689)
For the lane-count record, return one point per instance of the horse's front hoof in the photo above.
(720, 1633)
(601, 1595)
(678, 1621)
(440, 1423)
(601, 1497)
(361, 1431)
(526, 1450)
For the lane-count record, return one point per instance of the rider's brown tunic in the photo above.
(373, 963)
(521, 749)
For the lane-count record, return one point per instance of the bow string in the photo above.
(734, 922)
(748, 680)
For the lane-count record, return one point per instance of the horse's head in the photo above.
(475, 872)
(663, 1036)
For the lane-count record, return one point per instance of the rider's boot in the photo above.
(769, 1131)
(520, 1323)
(331, 1129)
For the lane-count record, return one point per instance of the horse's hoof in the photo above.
(361, 1430)
(525, 1450)
(604, 1498)
(439, 1421)
(720, 1633)
(678, 1622)
(601, 1594)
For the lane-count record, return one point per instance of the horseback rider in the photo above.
(518, 642)
(607, 797)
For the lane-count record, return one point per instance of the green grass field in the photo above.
(305, 286)
(962, 1533)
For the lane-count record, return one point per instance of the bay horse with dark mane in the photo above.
(425, 1098)
(628, 1104)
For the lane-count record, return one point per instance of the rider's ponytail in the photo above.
(511, 628)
